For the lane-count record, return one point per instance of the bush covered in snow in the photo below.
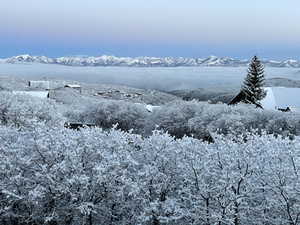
(107, 113)
(192, 118)
(178, 118)
(197, 118)
(93, 177)
(25, 110)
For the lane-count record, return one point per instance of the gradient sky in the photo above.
(190, 28)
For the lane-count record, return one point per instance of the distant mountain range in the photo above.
(145, 61)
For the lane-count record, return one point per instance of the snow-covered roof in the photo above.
(150, 108)
(281, 97)
(39, 94)
(73, 85)
(39, 81)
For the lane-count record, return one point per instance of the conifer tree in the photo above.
(254, 82)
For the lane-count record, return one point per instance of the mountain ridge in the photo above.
(145, 61)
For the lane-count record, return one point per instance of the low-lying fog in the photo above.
(166, 79)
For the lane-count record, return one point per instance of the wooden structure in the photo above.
(241, 98)
(238, 99)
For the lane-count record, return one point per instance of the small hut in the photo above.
(74, 86)
(277, 98)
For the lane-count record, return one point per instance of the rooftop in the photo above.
(39, 94)
(281, 97)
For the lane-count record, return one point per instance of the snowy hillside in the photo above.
(88, 93)
(144, 61)
(102, 154)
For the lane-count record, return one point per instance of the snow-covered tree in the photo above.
(93, 177)
(25, 111)
(254, 82)
(107, 113)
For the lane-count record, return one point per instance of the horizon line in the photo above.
(112, 55)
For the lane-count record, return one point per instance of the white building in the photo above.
(282, 98)
(39, 94)
(41, 84)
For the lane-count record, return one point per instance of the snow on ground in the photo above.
(87, 93)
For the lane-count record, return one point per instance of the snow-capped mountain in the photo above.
(29, 59)
(144, 61)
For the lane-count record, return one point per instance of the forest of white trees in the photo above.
(147, 168)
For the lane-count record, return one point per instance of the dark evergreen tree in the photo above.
(252, 87)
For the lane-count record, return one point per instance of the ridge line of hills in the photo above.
(105, 60)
